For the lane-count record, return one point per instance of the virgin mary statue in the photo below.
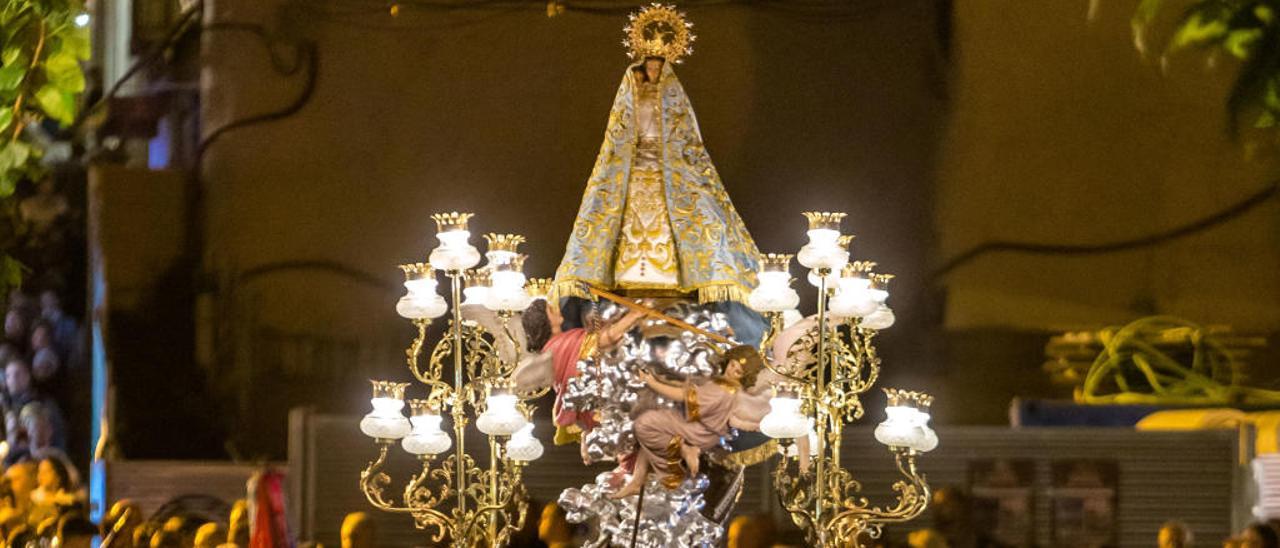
(655, 219)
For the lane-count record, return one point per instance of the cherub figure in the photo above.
(670, 442)
(558, 350)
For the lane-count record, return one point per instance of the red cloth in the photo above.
(565, 347)
(270, 527)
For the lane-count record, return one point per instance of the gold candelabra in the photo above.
(827, 369)
(453, 497)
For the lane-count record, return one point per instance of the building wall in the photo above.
(1062, 133)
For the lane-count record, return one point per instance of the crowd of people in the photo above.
(41, 347)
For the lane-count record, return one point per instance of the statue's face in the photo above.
(652, 69)
(734, 370)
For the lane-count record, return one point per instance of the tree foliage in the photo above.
(41, 49)
(1247, 30)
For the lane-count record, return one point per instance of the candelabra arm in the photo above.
(374, 481)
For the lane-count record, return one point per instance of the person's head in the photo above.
(358, 531)
(1259, 535)
(15, 324)
(238, 531)
(166, 538)
(123, 517)
(926, 538)
(751, 531)
(210, 535)
(45, 364)
(742, 364)
(53, 475)
(553, 527)
(21, 477)
(41, 335)
(17, 377)
(1173, 534)
(537, 324)
(50, 304)
(652, 68)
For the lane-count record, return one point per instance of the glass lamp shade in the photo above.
(523, 447)
(853, 298)
(881, 318)
(899, 429)
(929, 442)
(816, 281)
(503, 297)
(426, 438)
(421, 307)
(770, 297)
(385, 421)
(784, 420)
(500, 417)
(475, 295)
(823, 256)
(455, 252)
(794, 450)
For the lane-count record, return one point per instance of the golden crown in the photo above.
(858, 269)
(451, 221)
(417, 271)
(881, 281)
(504, 242)
(824, 219)
(776, 262)
(538, 287)
(476, 277)
(658, 30)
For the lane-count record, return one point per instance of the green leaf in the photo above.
(58, 104)
(6, 117)
(11, 76)
(63, 70)
(8, 183)
(1265, 120)
(14, 155)
(12, 271)
(75, 40)
(1200, 28)
(1240, 42)
(13, 55)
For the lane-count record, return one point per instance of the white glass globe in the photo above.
(523, 446)
(512, 299)
(832, 279)
(852, 304)
(421, 307)
(426, 438)
(899, 429)
(881, 318)
(771, 298)
(385, 421)
(500, 417)
(784, 420)
(929, 442)
(475, 295)
(455, 252)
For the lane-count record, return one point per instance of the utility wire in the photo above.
(1194, 227)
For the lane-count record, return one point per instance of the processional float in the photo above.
(670, 342)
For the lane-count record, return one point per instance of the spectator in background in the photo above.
(65, 330)
(358, 531)
(33, 421)
(1259, 535)
(15, 328)
(1174, 534)
(20, 479)
(57, 491)
(119, 523)
(238, 531)
(210, 535)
